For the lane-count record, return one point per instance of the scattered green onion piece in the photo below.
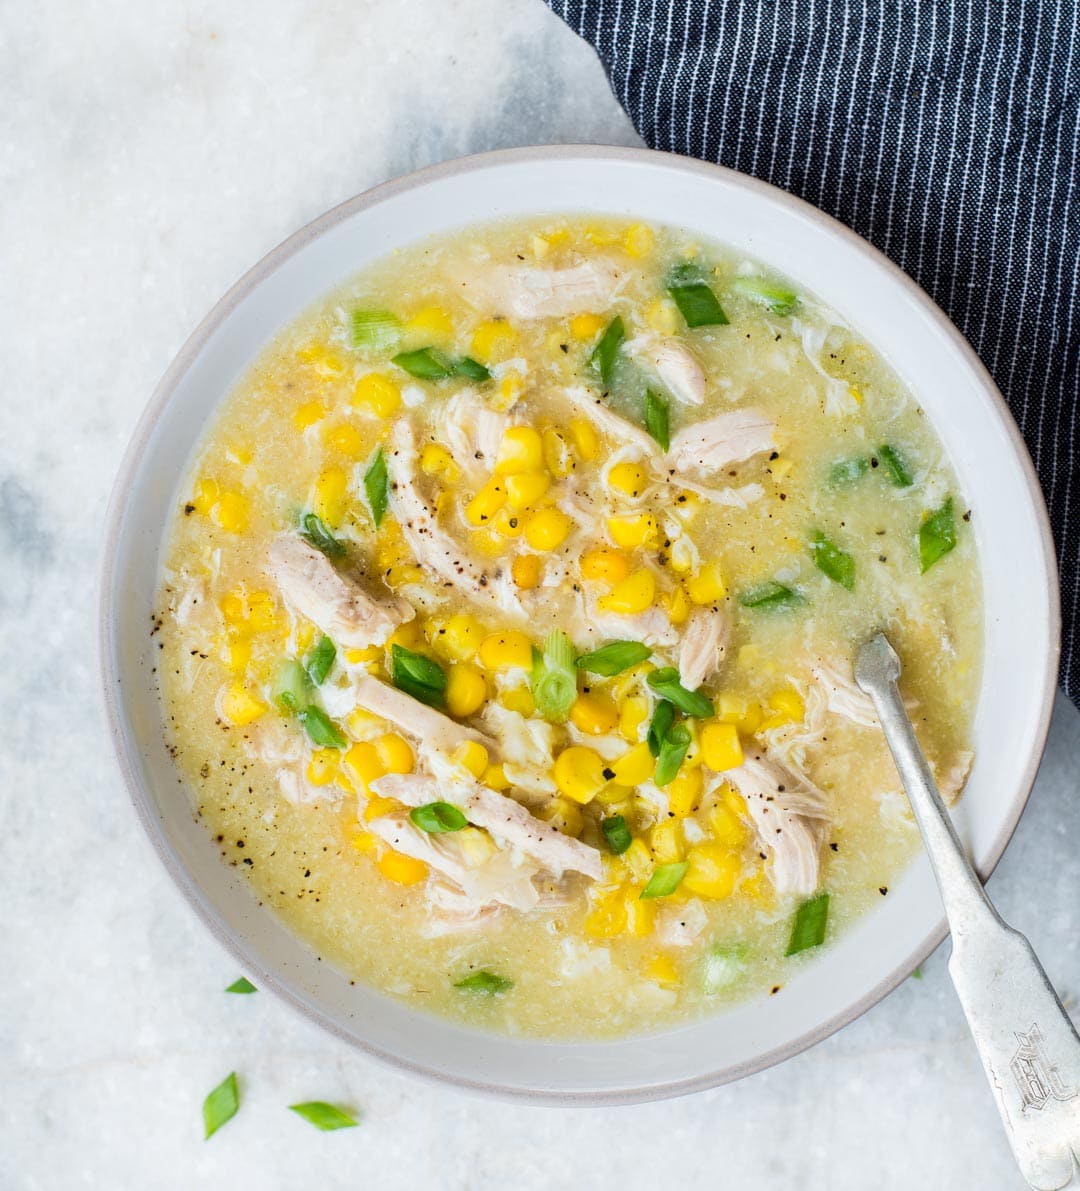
(425, 363)
(616, 833)
(291, 686)
(417, 675)
(722, 966)
(321, 729)
(485, 982)
(662, 721)
(937, 535)
(665, 681)
(770, 595)
(846, 472)
(832, 561)
(243, 985)
(471, 369)
(808, 928)
(614, 658)
(607, 349)
(221, 1105)
(657, 419)
(375, 332)
(377, 487)
(695, 299)
(313, 531)
(896, 465)
(672, 753)
(437, 818)
(665, 880)
(777, 299)
(917, 974)
(554, 679)
(324, 1116)
(321, 660)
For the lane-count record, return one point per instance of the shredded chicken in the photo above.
(672, 363)
(679, 926)
(527, 292)
(414, 718)
(842, 696)
(952, 778)
(473, 431)
(452, 912)
(272, 741)
(717, 442)
(703, 644)
(606, 419)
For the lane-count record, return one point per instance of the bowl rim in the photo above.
(112, 702)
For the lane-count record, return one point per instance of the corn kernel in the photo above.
(780, 468)
(471, 755)
(363, 841)
(525, 571)
(714, 871)
(741, 711)
(308, 414)
(661, 316)
(261, 612)
(579, 773)
(360, 722)
(510, 389)
(632, 532)
(363, 764)
(638, 859)
(628, 478)
(638, 240)
(506, 651)
(377, 806)
(492, 340)
(707, 586)
(331, 493)
(720, 747)
(346, 439)
(665, 842)
(322, 358)
(404, 870)
(495, 777)
(477, 847)
(525, 489)
(632, 715)
(558, 457)
(363, 657)
(565, 815)
(486, 503)
(586, 440)
(205, 496)
(238, 653)
(436, 460)
(234, 607)
(640, 915)
(788, 704)
(634, 766)
(662, 970)
(607, 918)
(240, 707)
(855, 394)
(632, 595)
(547, 529)
(377, 394)
(433, 322)
(395, 753)
(508, 524)
(684, 791)
(323, 766)
(521, 450)
(615, 797)
(461, 636)
(231, 512)
(466, 690)
(605, 565)
(586, 326)
(726, 826)
(677, 605)
(594, 713)
(518, 699)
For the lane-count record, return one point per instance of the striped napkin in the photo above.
(945, 133)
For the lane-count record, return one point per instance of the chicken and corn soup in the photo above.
(508, 616)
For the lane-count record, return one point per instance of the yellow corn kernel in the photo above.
(323, 766)
(436, 460)
(231, 512)
(586, 326)
(363, 841)
(331, 493)
(661, 969)
(363, 657)
(594, 713)
(684, 791)
(628, 478)
(632, 532)
(518, 699)
(431, 321)
(510, 389)
(308, 414)
(638, 859)
(239, 706)
(714, 871)
(607, 918)
(525, 489)
(632, 596)
(305, 636)
(346, 439)
(726, 826)
(640, 915)
(616, 797)
(238, 653)
(547, 529)
(461, 636)
(564, 814)
(558, 457)
(586, 440)
(495, 777)
(471, 755)
(634, 766)
(856, 394)
(521, 450)
(205, 496)
(666, 842)
(743, 712)
(579, 773)
(322, 358)
(525, 571)
(788, 704)
(234, 607)
(377, 806)
(605, 565)
(638, 240)
(780, 468)
(720, 747)
(506, 651)
(395, 753)
(404, 870)
(492, 340)
(360, 722)
(477, 847)
(661, 316)
(632, 714)
(261, 612)
(508, 524)
(377, 394)
(466, 690)
(707, 586)
(677, 605)
(363, 764)
(486, 503)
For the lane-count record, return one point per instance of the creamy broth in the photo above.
(670, 840)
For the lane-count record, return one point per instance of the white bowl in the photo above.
(1010, 524)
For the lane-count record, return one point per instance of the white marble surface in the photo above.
(148, 155)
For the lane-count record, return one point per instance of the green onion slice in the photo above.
(937, 535)
(291, 686)
(221, 1105)
(554, 679)
(776, 298)
(616, 833)
(722, 966)
(832, 561)
(321, 729)
(808, 928)
(665, 879)
(437, 818)
(614, 658)
(665, 681)
(657, 418)
(321, 660)
(695, 299)
(770, 595)
(604, 353)
(846, 472)
(485, 982)
(313, 531)
(660, 728)
(896, 465)
(377, 487)
(324, 1116)
(243, 985)
(471, 369)
(417, 675)
(672, 753)
(375, 332)
(425, 363)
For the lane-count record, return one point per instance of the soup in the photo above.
(507, 619)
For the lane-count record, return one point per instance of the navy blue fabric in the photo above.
(944, 132)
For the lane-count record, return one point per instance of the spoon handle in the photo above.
(1028, 1046)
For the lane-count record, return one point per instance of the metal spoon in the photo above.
(1029, 1048)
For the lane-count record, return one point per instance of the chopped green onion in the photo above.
(778, 299)
(665, 880)
(614, 658)
(665, 681)
(243, 985)
(937, 535)
(554, 680)
(896, 465)
(604, 353)
(313, 531)
(485, 982)
(321, 729)
(657, 420)
(672, 754)
(436, 818)
(832, 561)
(323, 1116)
(770, 595)
(377, 487)
(471, 369)
(221, 1105)
(425, 363)
(616, 833)
(722, 966)
(417, 675)
(695, 299)
(808, 929)
(846, 472)
(662, 722)
(375, 332)
(320, 661)
(917, 974)
(291, 686)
